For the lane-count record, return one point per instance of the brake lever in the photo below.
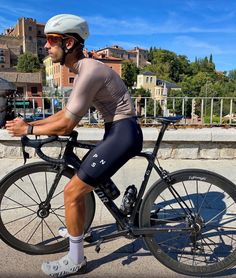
(25, 153)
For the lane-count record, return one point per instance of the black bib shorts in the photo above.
(123, 139)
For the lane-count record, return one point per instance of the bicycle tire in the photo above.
(211, 198)
(21, 225)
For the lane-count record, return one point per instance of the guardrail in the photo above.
(196, 110)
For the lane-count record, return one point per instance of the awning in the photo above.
(6, 87)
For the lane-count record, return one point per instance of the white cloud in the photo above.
(138, 26)
(196, 44)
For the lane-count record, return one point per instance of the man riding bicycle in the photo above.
(98, 85)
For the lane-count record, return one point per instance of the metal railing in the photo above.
(196, 110)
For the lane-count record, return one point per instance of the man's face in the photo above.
(53, 46)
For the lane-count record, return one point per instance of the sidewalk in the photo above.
(121, 257)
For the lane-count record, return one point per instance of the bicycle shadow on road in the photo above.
(130, 252)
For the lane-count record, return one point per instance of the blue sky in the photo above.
(194, 28)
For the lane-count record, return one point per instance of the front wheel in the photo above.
(195, 217)
(25, 224)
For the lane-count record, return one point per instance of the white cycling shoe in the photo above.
(63, 232)
(63, 267)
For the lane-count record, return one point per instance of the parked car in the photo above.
(37, 116)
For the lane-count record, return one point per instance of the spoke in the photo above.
(26, 193)
(20, 218)
(57, 194)
(190, 201)
(61, 207)
(173, 238)
(19, 203)
(209, 221)
(46, 183)
(35, 230)
(42, 231)
(225, 227)
(25, 225)
(14, 208)
(182, 253)
(50, 230)
(58, 217)
(209, 246)
(35, 188)
(165, 201)
(186, 254)
(204, 199)
(197, 195)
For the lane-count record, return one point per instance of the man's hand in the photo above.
(17, 127)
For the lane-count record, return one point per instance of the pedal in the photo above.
(98, 248)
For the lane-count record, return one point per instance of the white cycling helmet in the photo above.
(67, 23)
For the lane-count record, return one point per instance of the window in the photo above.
(30, 38)
(71, 79)
(34, 91)
(151, 79)
(147, 79)
(30, 28)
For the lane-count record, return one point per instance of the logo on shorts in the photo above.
(102, 161)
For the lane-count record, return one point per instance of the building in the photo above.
(5, 57)
(28, 85)
(158, 88)
(62, 78)
(26, 36)
(57, 76)
(137, 55)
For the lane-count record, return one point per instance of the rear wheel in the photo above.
(25, 223)
(198, 224)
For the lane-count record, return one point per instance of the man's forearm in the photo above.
(49, 119)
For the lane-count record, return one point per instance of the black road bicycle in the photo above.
(186, 218)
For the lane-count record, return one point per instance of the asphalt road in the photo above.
(121, 257)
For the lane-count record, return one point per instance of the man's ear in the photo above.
(70, 43)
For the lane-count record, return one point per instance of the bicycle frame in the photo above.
(127, 224)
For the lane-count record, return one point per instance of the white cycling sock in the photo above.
(76, 252)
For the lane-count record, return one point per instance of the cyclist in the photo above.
(98, 85)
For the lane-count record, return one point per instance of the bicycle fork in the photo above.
(45, 206)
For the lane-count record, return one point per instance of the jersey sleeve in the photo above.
(86, 84)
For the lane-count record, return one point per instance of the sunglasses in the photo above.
(53, 39)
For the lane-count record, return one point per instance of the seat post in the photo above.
(159, 138)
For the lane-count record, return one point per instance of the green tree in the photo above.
(232, 74)
(27, 62)
(129, 73)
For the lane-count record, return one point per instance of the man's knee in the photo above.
(76, 189)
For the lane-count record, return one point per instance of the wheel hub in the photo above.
(197, 223)
(44, 210)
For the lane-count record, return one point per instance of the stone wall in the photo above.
(205, 143)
